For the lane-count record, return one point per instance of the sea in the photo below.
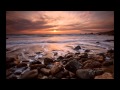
(61, 41)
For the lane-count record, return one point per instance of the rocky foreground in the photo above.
(71, 66)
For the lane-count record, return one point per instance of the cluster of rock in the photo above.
(70, 66)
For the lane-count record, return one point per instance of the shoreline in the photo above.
(37, 62)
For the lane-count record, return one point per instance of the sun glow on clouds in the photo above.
(58, 22)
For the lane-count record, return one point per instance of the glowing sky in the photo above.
(58, 22)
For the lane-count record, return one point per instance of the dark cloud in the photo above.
(24, 24)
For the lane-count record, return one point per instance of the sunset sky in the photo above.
(58, 22)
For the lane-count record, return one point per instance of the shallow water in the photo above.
(59, 43)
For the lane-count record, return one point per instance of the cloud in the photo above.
(61, 20)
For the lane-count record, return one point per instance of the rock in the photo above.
(39, 76)
(47, 61)
(73, 66)
(83, 59)
(110, 51)
(18, 71)
(85, 73)
(106, 75)
(56, 68)
(10, 59)
(30, 74)
(37, 66)
(97, 42)
(107, 63)
(26, 61)
(85, 55)
(44, 77)
(12, 76)
(45, 71)
(60, 58)
(8, 72)
(21, 65)
(99, 58)
(98, 71)
(93, 64)
(68, 55)
(77, 48)
(35, 62)
(71, 74)
(11, 64)
(87, 50)
(59, 75)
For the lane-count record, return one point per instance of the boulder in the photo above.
(56, 68)
(93, 64)
(45, 71)
(35, 62)
(21, 65)
(73, 66)
(106, 75)
(108, 63)
(60, 58)
(99, 58)
(48, 61)
(87, 50)
(59, 75)
(18, 71)
(77, 48)
(30, 74)
(85, 74)
(37, 66)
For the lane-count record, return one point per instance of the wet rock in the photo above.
(59, 75)
(93, 64)
(97, 42)
(98, 71)
(12, 76)
(73, 66)
(85, 55)
(71, 74)
(68, 55)
(8, 72)
(38, 52)
(110, 51)
(56, 68)
(108, 40)
(35, 62)
(49, 66)
(85, 74)
(30, 74)
(10, 59)
(83, 59)
(64, 62)
(99, 58)
(47, 61)
(21, 65)
(40, 76)
(37, 66)
(108, 63)
(77, 48)
(18, 71)
(11, 64)
(45, 71)
(60, 58)
(106, 75)
(87, 50)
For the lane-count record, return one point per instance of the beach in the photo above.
(61, 56)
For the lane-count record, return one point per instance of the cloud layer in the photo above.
(18, 22)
